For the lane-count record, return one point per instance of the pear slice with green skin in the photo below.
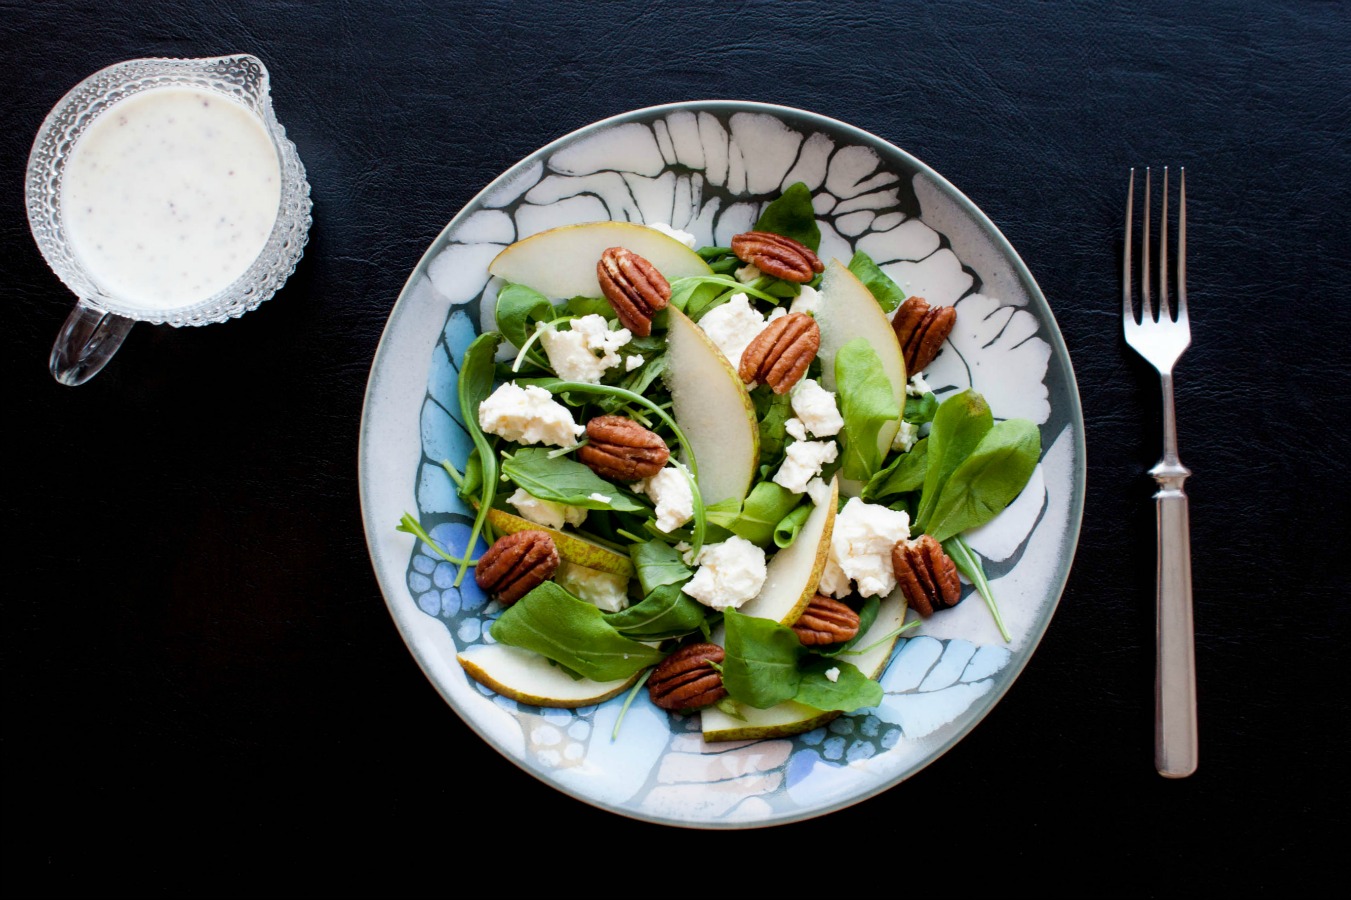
(794, 572)
(790, 718)
(848, 310)
(714, 410)
(572, 547)
(561, 262)
(530, 678)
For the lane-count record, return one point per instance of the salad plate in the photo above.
(709, 169)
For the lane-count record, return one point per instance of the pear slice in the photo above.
(848, 310)
(794, 572)
(572, 547)
(791, 717)
(561, 262)
(713, 409)
(530, 678)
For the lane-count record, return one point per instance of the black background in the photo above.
(204, 694)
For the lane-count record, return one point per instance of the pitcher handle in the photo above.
(86, 342)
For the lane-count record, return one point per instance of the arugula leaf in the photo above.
(765, 507)
(724, 512)
(518, 309)
(786, 531)
(988, 480)
(658, 563)
(760, 668)
(866, 404)
(774, 410)
(572, 633)
(563, 480)
(850, 691)
(960, 423)
(905, 474)
(637, 381)
(969, 565)
(476, 383)
(791, 214)
(919, 410)
(886, 292)
(667, 612)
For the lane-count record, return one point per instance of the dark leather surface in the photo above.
(203, 692)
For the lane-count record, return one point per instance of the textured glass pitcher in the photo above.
(100, 320)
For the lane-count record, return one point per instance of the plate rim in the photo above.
(1053, 334)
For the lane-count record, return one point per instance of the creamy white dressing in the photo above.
(170, 196)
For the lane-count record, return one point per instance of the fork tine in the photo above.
(1127, 305)
(1182, 244)
(1163, 252)
(1146, 307)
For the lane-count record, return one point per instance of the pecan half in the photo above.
(921, 330)
(779, 355)
(516, 564)
(619, 449)
(634, 288)
(685, 680)
(926, 575)
(826, 621)
(777, 255)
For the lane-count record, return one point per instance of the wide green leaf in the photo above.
(905, 474)
(563, 480)
(866, 404)
(851, 689)
(887, 293)
(791, 215)
(475, 384)
(959, 425)
(518, 309)
(765, 507)
(573, 633)
(761, 664)
(988, 480)
(667, 612)
(657, 563)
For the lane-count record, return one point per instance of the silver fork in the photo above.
(1161, 341)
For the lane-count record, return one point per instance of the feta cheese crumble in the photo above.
(528, 415)
(684, 237)
(803, 462)
(598, 497)
(807, 301)
(732, 326)
(670, 490)
(918, 387)
(606, 591)
(572, 354)
(748, 273)
(545, 512)
(860, 549)
(815, 407)
(796, 430)
(905, 437)
(729, 573)
(833, 674)
(632, 362)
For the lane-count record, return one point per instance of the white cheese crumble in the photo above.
(598, 497)
(670, 490)
(905, 437)
(632, 362)
(684, 237)
(748, 273)
(819, 491)
(807, 301)
(795, 429)
(816, 407)
(603, 589)
(732, 326)
(573, 353)
(833, 674)
(545, 512)
(686, 552)
(803, 462)
(860, 549)
(918, 387)
(729, 573)
(528, 415)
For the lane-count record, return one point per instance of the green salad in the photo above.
(708, 472)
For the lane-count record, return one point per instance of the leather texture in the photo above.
(204, 694)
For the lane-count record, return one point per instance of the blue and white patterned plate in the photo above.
(709, 167)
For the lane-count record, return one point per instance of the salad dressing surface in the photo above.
(170, 196)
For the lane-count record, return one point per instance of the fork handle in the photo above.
(1175, 676)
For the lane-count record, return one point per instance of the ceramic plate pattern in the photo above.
(709, 168)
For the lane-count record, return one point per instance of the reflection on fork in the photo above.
(1161, 339)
